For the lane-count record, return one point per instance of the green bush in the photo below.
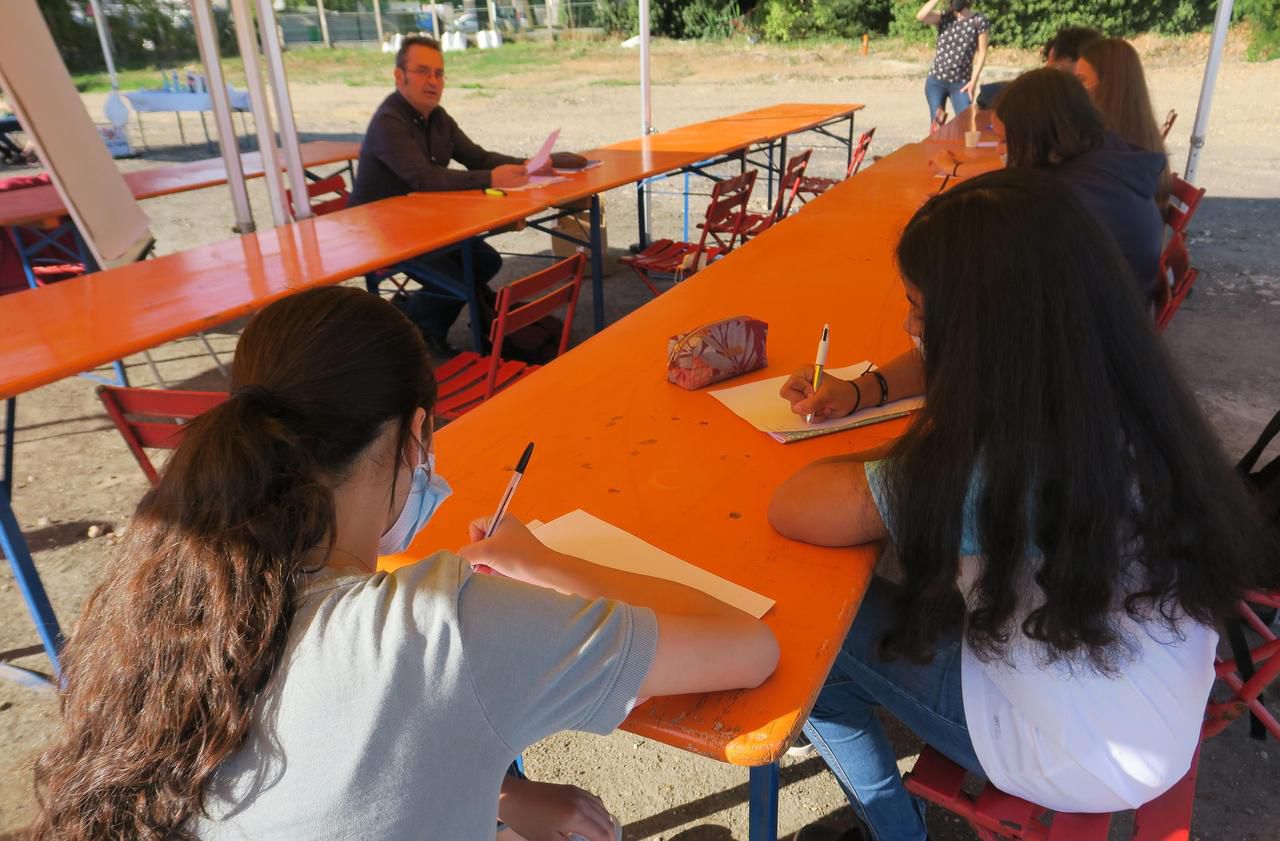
(623, 17)
(1264, 26)
(787, 20)
(708, 19)
(132, 22)
(903, 23)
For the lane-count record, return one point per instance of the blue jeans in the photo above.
(846, 731)
(937, 92)
(435, 312)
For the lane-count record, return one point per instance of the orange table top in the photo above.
(738, 131)
(679, 470)
(20, 207)
(65, 328)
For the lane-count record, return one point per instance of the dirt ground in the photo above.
(74, 473)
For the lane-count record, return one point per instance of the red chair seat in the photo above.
(997, 816)
(469, 379)
(55, 273)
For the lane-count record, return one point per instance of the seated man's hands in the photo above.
(508, 175)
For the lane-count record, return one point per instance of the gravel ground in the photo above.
(74, 473)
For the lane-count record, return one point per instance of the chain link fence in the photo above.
(302, 27)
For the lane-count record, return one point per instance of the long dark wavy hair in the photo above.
(1046, 381)
(165, 666)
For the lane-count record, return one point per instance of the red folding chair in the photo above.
(149, 417)
(724, 223)
(1184, 199)
(469, 379)
(754, 224)
(1169, 120)
(333, 184)
(1177, 276)
(996, 816)
(1247, 682)
(814, 186)
(53, 252)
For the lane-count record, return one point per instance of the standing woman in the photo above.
(1069, 530)
(958, 61)
(244, 671)
(1111, 72)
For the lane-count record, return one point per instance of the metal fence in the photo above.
(302, 26)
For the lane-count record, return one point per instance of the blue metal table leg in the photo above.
(763, 809)
(640, 214)
(597, 266)
(473, 300)
(24, 570)
(15, 549)
(10, 425)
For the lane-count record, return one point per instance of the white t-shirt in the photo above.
(1068, 737)
(403, 697)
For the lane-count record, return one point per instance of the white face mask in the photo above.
(426, 491)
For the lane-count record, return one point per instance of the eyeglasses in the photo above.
(430, 72)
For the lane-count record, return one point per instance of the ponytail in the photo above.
(163, 673)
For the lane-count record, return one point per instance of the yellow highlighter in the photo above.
(819, 364)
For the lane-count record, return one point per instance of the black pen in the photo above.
(511, 491)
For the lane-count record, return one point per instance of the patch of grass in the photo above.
(614, 83)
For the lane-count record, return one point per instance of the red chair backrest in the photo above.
(542, 293)
(1184, 198)
(1169, 120)
(150, 417)
(333, 184)
(728, 206)
(1246, 692)
(789, 184)
(1176, 279)
(860, 152)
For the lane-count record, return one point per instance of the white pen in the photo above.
(818, 365)
(511, 491)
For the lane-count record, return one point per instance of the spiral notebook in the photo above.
(758, 404)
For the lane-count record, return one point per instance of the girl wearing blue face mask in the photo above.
(246, 672)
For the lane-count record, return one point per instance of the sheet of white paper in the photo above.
(582, 535)
(536, 181)
(758, 403)
(543, 155)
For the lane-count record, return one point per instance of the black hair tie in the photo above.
(263, 397)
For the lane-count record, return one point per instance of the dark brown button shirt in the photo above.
(404, 152)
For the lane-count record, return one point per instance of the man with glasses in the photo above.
(407, 149)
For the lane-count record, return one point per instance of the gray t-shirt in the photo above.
(403, 697)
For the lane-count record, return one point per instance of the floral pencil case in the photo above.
(717, 351)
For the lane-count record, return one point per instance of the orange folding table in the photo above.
(679, 470)
(34, 204)
(737, 137)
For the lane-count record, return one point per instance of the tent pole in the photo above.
(377, 21)
(646, 104)
(284, 111)
(228, 143)
(100, 20)
(261, 111)
(1201, 127)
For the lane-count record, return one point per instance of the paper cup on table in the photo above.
(971, 138)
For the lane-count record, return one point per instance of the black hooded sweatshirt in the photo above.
(1119, 182)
